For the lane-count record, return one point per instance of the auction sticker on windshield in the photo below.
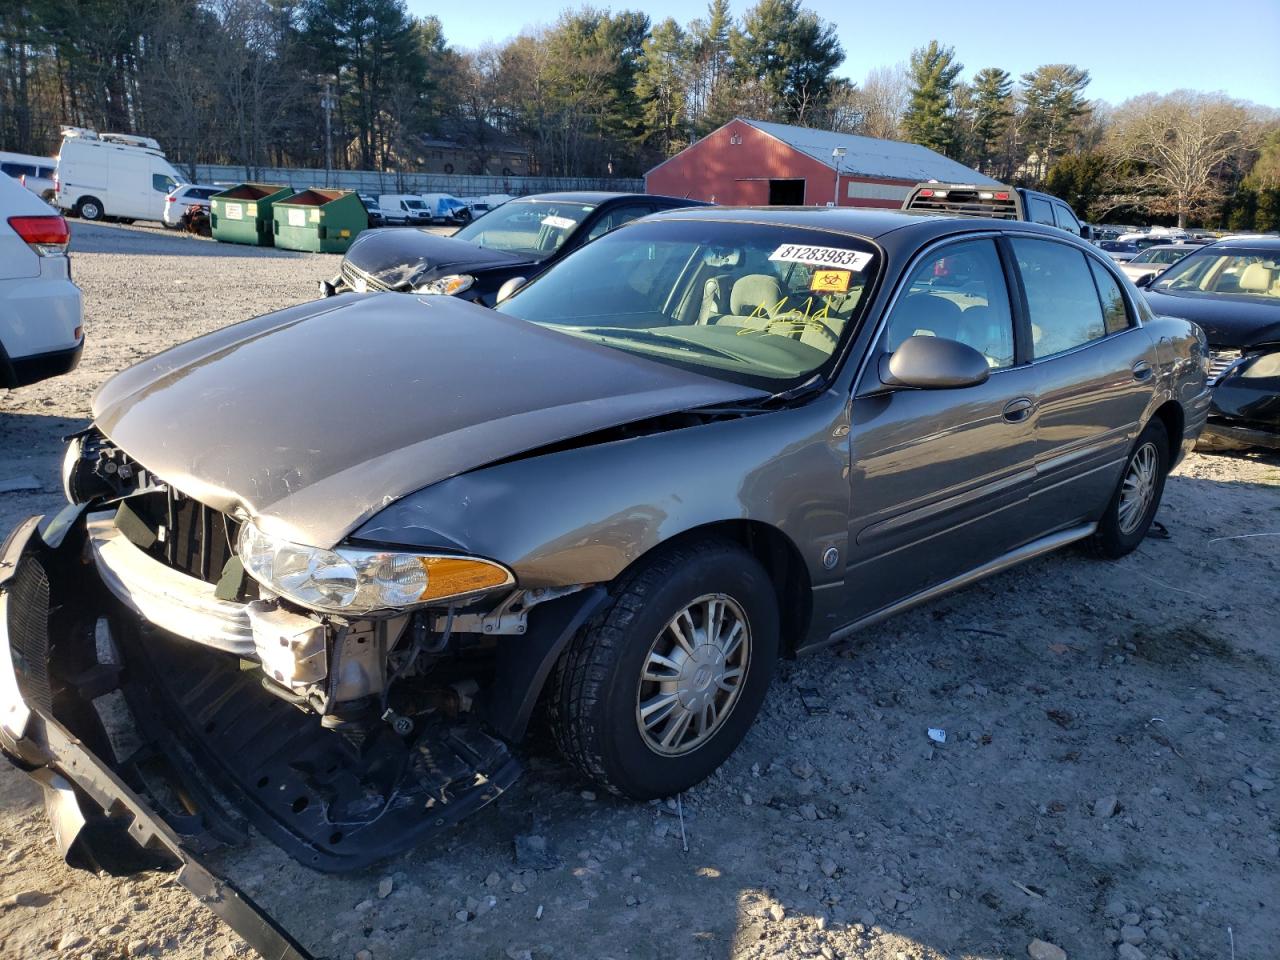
(821, 256)
(560, 223)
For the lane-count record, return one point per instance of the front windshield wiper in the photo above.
(650, 336)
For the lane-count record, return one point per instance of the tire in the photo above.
(1125, 522)
(89, 208)
(598, 693)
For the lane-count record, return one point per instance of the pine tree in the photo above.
(993, 107)
(928, 120)
(1053, 101)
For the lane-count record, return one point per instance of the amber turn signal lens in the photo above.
(453, 576)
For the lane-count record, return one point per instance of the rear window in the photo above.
(1062, 301)
(1040, 211)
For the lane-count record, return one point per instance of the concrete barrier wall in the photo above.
(372, 181)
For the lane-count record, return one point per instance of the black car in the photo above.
(519, 239)
(1232, 289)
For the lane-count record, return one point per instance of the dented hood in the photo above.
(396, 256)
(314, 418)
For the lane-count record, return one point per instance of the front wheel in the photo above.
(89, 208)
(1133, 506)
(655, 693)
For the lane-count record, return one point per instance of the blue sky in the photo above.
(1128, 46)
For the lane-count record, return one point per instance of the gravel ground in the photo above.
(1106, 786)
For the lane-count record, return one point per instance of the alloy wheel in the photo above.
(1139, 487)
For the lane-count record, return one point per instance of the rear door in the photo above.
(1095, 370)
(941, 479)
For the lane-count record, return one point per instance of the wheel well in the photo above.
(1171, 415)
(781, 559)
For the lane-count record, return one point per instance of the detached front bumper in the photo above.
(49, 729)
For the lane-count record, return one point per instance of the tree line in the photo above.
(599, 93)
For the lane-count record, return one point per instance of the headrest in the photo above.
(753, 291)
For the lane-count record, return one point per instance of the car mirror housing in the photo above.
(1145, 280)
(508, 288)
(934, 363)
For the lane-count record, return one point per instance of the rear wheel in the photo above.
(654, 694)
(1133, 506)
(89, 208)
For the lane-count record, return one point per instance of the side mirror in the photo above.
(1145, 280)
(934, 363)
(508, 288)
(1086, 232)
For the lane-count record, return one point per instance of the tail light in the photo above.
(48, 236)
(1002, 196)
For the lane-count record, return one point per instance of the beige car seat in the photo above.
(1256, 278)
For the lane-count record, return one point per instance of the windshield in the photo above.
(752, 303)
(1156, 255)
(415, 205)
(1237, 273)
(534, 228)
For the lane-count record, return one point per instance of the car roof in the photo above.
(1256, 243)
(872, 224)
(602, 196)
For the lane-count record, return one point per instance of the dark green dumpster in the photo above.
(243, 213)
(322, 221)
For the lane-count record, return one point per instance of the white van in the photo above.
(403, 208)
(112, 175)
(34, 173)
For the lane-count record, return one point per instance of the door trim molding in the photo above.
(1035, 548)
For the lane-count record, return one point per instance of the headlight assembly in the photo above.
(1264, 365)
(448, 286)
(357, 581)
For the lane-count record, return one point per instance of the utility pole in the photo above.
(327, 104)
(837, 155)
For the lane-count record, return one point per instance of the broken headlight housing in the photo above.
(358, 581)
(449, 286)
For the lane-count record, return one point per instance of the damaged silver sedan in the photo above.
(322, 569)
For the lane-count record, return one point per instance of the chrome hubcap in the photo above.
(692, 675)
(1139, 487)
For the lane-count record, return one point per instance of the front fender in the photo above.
(585, 514)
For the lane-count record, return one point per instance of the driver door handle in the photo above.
(1142, 370)
(1016, 411)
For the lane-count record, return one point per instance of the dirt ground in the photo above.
(1107, 782)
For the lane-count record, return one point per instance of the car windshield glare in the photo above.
(754, 303)
(1234, 273)
(534, 228)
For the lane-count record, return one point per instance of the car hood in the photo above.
(1227, 322)
(314, 418)
(395, 256)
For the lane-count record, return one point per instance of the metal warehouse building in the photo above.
(758, 163)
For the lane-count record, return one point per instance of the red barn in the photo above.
(751, 162)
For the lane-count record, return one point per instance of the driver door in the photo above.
(941, 479)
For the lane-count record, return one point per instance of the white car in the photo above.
(41, 315)
(1156, 259)
(34, 173)
(183, 198)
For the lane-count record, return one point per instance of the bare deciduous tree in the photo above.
(1177, 146)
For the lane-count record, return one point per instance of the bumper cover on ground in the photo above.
(208, 733)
